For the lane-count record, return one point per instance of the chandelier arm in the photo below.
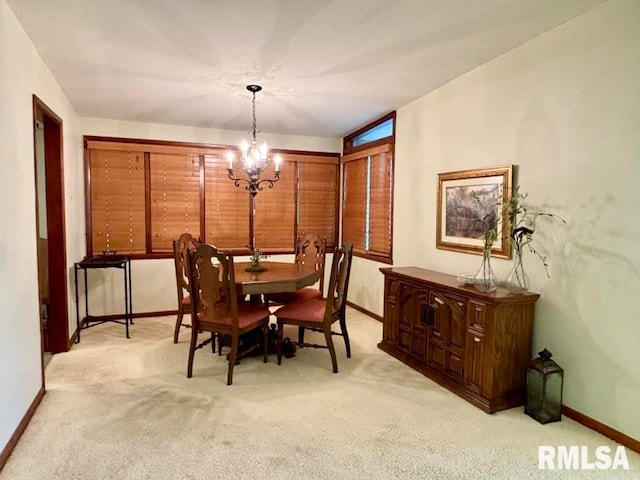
(253, 185)
(270, 181)
(236, 180)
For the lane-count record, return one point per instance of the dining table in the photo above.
(276, 278)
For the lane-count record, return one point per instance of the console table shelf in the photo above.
(477, 345)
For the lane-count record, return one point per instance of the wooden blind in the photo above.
(380, 181)
(117, 201)
(317, 191)
(354, 207)
(226, 207)
(275, 210)
(175, 198)
(143, 194)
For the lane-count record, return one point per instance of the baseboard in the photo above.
(616, 436)
(22, 426)
(364, 310)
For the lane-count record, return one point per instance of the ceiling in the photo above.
(327, 66)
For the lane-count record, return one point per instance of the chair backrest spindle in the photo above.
(339, 281)
(183, 244)
(311, 251)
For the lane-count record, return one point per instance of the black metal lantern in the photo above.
(544, 389)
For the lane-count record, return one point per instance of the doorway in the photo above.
(50, 228)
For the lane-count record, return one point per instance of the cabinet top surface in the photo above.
(449, 282)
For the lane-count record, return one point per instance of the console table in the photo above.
(477, 345)
(122, 262)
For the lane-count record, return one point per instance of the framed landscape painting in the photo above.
(465, 199)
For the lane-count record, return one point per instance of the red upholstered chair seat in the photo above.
(307, 311)
(186, 300)
(247, 315)
(307, 293)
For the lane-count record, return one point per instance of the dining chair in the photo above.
(180, 247)
(215, 307)
(319, 314)
(310, 250)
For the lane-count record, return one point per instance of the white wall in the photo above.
(153, 281)
(565, 108)
(178, 133)
(22, 74)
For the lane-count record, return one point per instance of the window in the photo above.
(143, 194)
(367, 205)
(380, 131)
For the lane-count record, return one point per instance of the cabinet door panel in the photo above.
(454, 365)
(419, 347)
(404, 340)
(474, 357)
(477, 315)
(456, 331)
(439, 320)
(447, 333)
(390, 327)
(412, 331)
(436, 355)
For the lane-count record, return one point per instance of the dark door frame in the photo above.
(58, 323)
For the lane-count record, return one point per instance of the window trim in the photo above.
(347, 142)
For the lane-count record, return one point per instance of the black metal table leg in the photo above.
(130, 296)
(75, 276)
(86, 295)
(126, 301)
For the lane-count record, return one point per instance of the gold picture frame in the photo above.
(458, 225)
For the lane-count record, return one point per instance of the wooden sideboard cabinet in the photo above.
(477, 345)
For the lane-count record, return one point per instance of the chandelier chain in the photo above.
(254, 128)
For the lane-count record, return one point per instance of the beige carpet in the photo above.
(124, 409)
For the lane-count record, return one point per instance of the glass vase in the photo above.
(485, 280)
(517, 279)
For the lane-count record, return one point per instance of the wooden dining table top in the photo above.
(279, 277)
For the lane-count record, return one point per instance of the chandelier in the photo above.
(254, 157)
